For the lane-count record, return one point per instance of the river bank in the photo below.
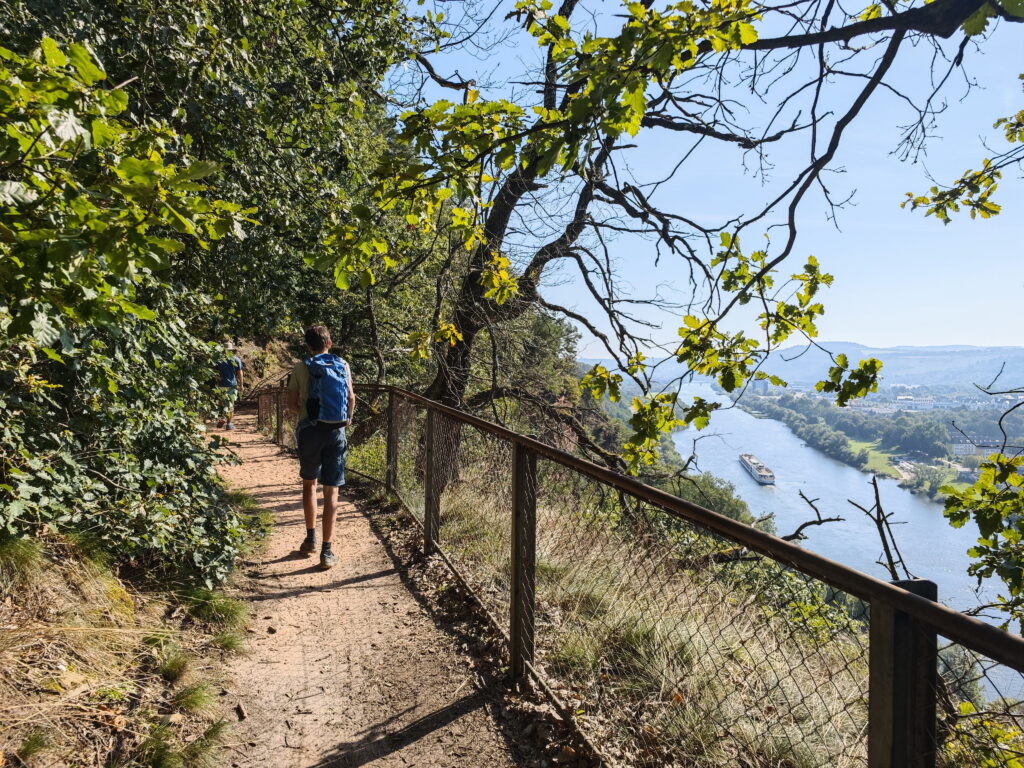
(931, 547)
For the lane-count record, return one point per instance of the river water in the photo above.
(931, 547)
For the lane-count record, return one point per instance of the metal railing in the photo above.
(674, 635)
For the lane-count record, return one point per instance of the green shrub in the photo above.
(104, 386)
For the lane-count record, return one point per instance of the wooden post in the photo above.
(902, 680)
(279, 431)
(524, 560)
(391, 472)
(432, 499)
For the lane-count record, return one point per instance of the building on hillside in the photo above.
(963, 446)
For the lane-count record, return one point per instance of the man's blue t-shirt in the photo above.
(228, 370)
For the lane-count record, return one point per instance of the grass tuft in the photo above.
(229, 641)
(256, 520)
(172, 664)
(19, 557)
(195, 699)
(217, 608)
(202, 752)
(90, 549)
(33, 744)
(157, 750)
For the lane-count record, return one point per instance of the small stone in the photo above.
(271, 630)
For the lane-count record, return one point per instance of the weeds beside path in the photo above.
(344, 667)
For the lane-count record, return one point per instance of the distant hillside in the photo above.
(956, 366)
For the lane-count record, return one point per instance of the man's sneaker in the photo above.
(308, 545)
(229, 425)
(328, 560)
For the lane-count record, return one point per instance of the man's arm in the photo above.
(293, 394)
(351, 395)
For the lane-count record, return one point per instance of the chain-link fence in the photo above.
(677, 637)
(679, 648)
(980, 709)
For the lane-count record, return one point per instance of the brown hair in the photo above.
(318, 338)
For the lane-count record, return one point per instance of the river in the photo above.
(931, 547)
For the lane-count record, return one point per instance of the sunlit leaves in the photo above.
(88, 202)
(995, 502)
(848, 384)
(421, 341)
(499, 283)
(974, 189)
(978, 21)
(599, 381)
(873, 11)
(652, 418)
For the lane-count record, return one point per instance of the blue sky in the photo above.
(900, 278)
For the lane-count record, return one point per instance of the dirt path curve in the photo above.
(344, 667)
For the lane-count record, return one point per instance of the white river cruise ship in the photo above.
(757, 470)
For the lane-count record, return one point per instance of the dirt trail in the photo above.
(344, 667)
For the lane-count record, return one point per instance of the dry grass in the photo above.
(669, 657)
(91, 668)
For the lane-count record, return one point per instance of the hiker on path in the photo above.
(230, 371)
(320, 393)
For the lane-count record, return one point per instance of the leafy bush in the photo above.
(104, 386)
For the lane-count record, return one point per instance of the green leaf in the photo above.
(198, 170)
(84, 63)
(52, 55)
(978, 21)
(748, 34)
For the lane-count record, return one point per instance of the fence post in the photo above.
(432, 499)
(279, 431)
(391, 473)
(902, 685)
(524, 560)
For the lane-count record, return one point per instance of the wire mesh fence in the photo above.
(980, 710)
(680, 648)
(474, 530)
(676, 637)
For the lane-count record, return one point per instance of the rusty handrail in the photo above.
(999, 645)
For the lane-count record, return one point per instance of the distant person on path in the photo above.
(320, 393)
(230, 372)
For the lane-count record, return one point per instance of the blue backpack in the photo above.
(328, 388)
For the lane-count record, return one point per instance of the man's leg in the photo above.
(330, 510)
(232, 396)
(309, 470)
(333, 476)
(309, 502)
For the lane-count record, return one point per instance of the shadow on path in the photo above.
(379, 741)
